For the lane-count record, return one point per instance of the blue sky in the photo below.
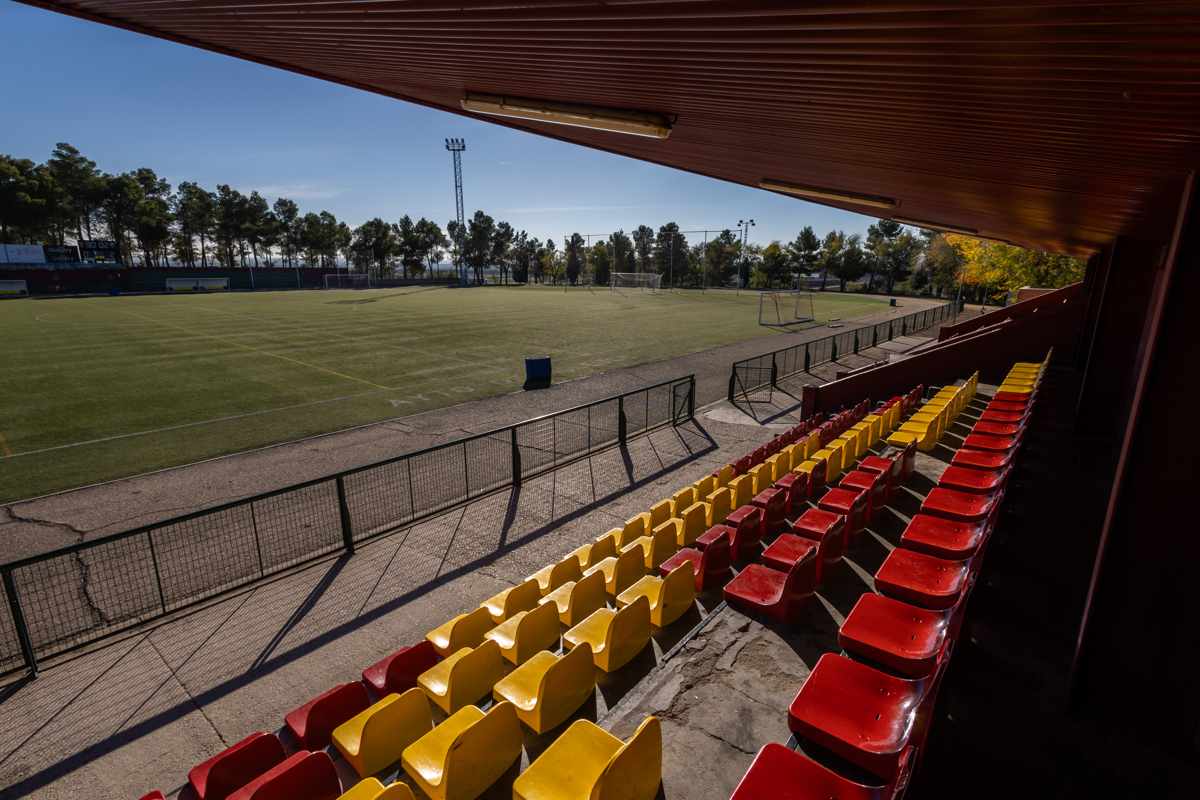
(127, 101)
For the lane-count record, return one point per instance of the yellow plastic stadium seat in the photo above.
(576, 600)
(589, 555)
(372, 789)
(374, 738)
(901, 439)
(811, 445)
(682, 499)
(926, 435)
(634, 528)
(849, 444)
(660, 545)
(725, 474)
(659, 513)
(720, 503)
(695, 523)
(614, 636)
(465, 630)
(462, 757)
(832, 459)
(551, 577)
(522, 597)
(527, 632)
(621, 571)
(589, 763)
(813, 466)
(875, 426)
(670, 597)
(463, 677)
(548, 688)
(705, 486)
(760, 478)
(743, 490)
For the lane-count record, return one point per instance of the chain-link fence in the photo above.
(766, 370)
(71, 597)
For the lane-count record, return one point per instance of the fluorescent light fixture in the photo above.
(615, 120)
(936, 226)
(834, 195)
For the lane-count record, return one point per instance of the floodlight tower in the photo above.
(745, 225)
(456, 148)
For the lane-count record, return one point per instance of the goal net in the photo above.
(13, 289)
(778, 309)
(197, 284)
(650, 281)
(348, 280)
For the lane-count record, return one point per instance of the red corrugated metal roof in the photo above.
(1049, 123)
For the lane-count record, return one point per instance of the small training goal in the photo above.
(13, 289)
(347, 280)
(197, 284)
(648, 281)
(778, 309)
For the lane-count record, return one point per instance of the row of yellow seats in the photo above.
(839, 455)
(462, 756)
(930, 421)
(1024, 376)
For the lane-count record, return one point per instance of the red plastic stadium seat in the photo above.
(997, 428)
(943, 538)
(850, 503)
(710, 566)
(743, 465)
(794, 485)
(873, 484)
(1010, 408)
(779, 595)
(1001, 416)
(398, 672)
(825, 528)
(155, 795)
(963, 506)
(908, 461)
(787, 549)
(778, 773)
(979, 481)
(922, 580)
(888, 467)
(234, 767)
(773, 503)
(746, 522)
(981, 459)
(1011, 397)
(307, 775)
(312, 722)
(901, 637)
(860, 713)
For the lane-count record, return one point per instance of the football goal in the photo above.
(777, 309)
(13, 289)
(347, 280)
(647, 281)
(197, 284)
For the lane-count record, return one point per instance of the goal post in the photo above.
(197, 284)
(649, 281)
(779, 309)
(347, 280)
(14, 289)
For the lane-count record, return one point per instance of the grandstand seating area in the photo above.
(760, 531)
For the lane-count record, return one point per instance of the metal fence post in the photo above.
(344, 512)
(516, 456)
(774, 371)
(856, 341)
(691, 397)
(623, 431)
(732, 381)
(807, 359)
(18, 616)
(833, 346)
(162, 599)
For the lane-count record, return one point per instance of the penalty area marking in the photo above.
(236, 343)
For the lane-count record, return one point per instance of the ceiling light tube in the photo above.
(615, 120)
(833, 195)
(936, 226)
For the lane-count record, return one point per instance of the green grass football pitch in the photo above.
(100, 388)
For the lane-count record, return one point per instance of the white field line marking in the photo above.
(181, 426)
(191, 332)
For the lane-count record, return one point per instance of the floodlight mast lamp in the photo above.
(745, 225)
(456, 148)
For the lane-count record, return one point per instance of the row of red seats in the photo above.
(872, 707)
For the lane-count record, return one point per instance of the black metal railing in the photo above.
(759, 372)
(77, 595)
